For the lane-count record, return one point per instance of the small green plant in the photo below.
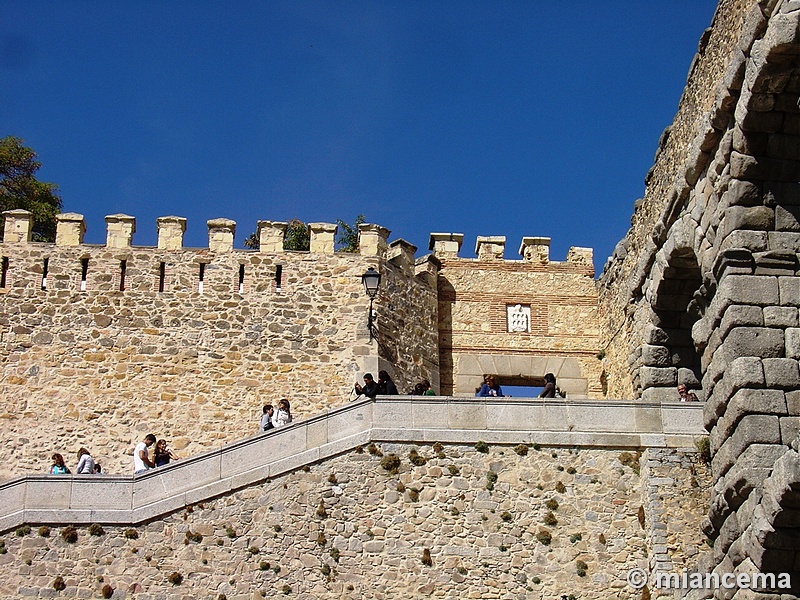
(374, 450)
(536, 447)
(359, 449)
(23, 530)
(554, 454)
(550, 519)
(571, 470)
(131, 534)
(703, 446)
(438, 449)
(286, 589)
(69, 534)
(391, 462)
(44, 531)
(222, 597)
(535, 580)
(325, 570)
(321, 512)
(491, 479)
(264, 566)
(413, 494)
(544, 537)
(630, 460)
(332, 479)
(96, 529)
(506, 516)
(193, 537)
(416, 458)
(454, 470)
(602, 539)
(276, 569)
(482, 446)
(334, 552)
(576, 537)
(454, 511)
(253, 550)
(462, 570)
(560, 487)
(559, 468)
(321, 539)
(175, 578)
(107, 591)
(552, 504)
(230, 531)
(59, 584)
(278, 528)
(580, 568)
(521, 449)
(426, 557)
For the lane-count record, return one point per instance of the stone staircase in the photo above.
(131, 500)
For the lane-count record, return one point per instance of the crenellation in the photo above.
(446, 245)
(489, 248)
(323, 237)
(17, 226)
(535, 249)
(70, 229)
(271, 236)
(401, 253)
(119, 230)
(372, 239)
(170, 232)
(220, 235)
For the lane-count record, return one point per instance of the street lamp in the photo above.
(371, 280)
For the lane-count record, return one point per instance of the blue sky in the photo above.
(476, 117)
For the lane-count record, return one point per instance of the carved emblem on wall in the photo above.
(519, 318)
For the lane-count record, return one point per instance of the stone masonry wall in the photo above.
(104, 366)
(452, 522)
(622, 332)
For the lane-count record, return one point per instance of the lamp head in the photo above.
(371, 280)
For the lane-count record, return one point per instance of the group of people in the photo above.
(86, 464)
(271, 418)
(386, 387)
(162, 455)
(491, 387)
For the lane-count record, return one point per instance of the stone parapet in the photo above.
(220, 235)
(372, 239)
(446, 245)
(490, 248)
(17, 226)
(401, 253)
(119, 230)
(70, 229)
(131, 500)
(323, 237)
(535, 249)
(170, 232)
(271, 235)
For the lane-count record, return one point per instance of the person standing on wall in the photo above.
(141, 460)
(490, 388)
(549, 390)
(386, 386)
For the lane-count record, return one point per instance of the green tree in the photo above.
(297, 236)
(19, 188)
(348, 234)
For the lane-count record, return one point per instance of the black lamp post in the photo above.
(371, 280)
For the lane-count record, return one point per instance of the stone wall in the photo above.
(101, 344)
(558, 332)
(515, 521)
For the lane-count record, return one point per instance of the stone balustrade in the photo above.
(552, 422)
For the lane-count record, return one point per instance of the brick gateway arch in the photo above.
(705, 288)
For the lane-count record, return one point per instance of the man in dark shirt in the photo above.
(370, 387)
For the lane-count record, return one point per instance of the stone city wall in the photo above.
(559, 332)
(522, 522)
(103, 344)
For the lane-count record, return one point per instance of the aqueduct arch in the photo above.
(714, 246)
